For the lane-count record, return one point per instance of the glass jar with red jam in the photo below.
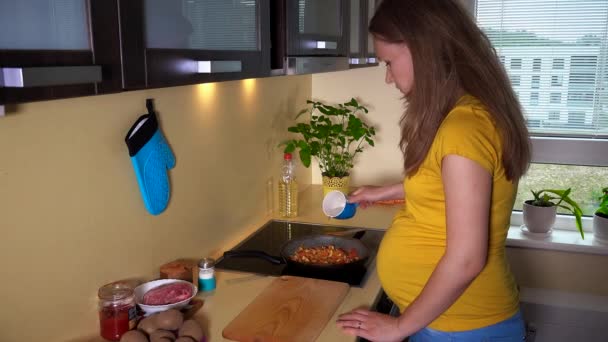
(117, 312)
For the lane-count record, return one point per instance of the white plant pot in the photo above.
(600, 229)
(539, 219)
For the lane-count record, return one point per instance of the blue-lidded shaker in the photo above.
(206, 274)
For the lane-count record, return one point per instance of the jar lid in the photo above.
(115, 291)
(206, 263)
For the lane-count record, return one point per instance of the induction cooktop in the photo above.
(274, 234)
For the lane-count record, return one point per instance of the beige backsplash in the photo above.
(71, 214)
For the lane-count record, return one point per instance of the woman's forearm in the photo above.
(369, 194)
(448, 281)
(395, 191)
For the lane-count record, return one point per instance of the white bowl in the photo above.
(150, 309)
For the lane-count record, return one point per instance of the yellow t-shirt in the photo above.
(416, 240)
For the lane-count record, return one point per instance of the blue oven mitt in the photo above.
(152, 158)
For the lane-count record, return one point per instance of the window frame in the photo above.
(561, 150)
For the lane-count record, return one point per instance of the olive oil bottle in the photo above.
(288, 189)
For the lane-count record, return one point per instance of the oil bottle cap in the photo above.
(287, 156)
(206, 263)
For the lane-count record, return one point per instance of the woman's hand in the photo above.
(368, 194)
(371, 325)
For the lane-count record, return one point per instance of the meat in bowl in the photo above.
(168, 294)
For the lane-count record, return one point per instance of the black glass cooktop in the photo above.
(271, 237)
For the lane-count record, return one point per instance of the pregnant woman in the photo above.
(465, 146)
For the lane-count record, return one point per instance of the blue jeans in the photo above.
(510, 330)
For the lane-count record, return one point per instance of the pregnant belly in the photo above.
(404, 268)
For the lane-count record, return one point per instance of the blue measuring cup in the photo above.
(335, 205)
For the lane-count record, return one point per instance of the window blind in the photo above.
(556, 54)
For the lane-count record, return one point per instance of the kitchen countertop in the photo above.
(235, 290)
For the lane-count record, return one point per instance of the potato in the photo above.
(185, 339)
(162, 336)
(169, 320)
(148, 324)
(191, 328)
(133, 336)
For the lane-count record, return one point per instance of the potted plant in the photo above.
(600, 219)
(333, 135)
(540, 212)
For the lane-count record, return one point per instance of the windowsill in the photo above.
(558, 240)
(564, 236)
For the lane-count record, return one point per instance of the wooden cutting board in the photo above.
(290, 309)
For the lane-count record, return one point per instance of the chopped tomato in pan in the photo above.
(325, 255)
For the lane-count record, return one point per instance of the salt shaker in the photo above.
(206, 274)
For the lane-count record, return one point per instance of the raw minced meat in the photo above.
(168, 294)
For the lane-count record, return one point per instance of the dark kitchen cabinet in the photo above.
(53, 49)
(361, 48)
(317, 27)
(309, 36)
(178, 42)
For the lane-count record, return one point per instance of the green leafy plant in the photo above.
(559, 198)
(603, 207)
(332, 134)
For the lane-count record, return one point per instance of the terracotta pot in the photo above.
(539, 219)
(600, 228)
(335, 183)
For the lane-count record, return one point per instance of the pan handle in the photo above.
(253, 254)
(358, 235)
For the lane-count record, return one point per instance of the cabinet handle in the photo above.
(306, 65)
(321, 44)
(48, 76)
(208, 67)
(357, 61)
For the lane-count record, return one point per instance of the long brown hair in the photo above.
(451, 56)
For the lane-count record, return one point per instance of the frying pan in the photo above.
(290, 247)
